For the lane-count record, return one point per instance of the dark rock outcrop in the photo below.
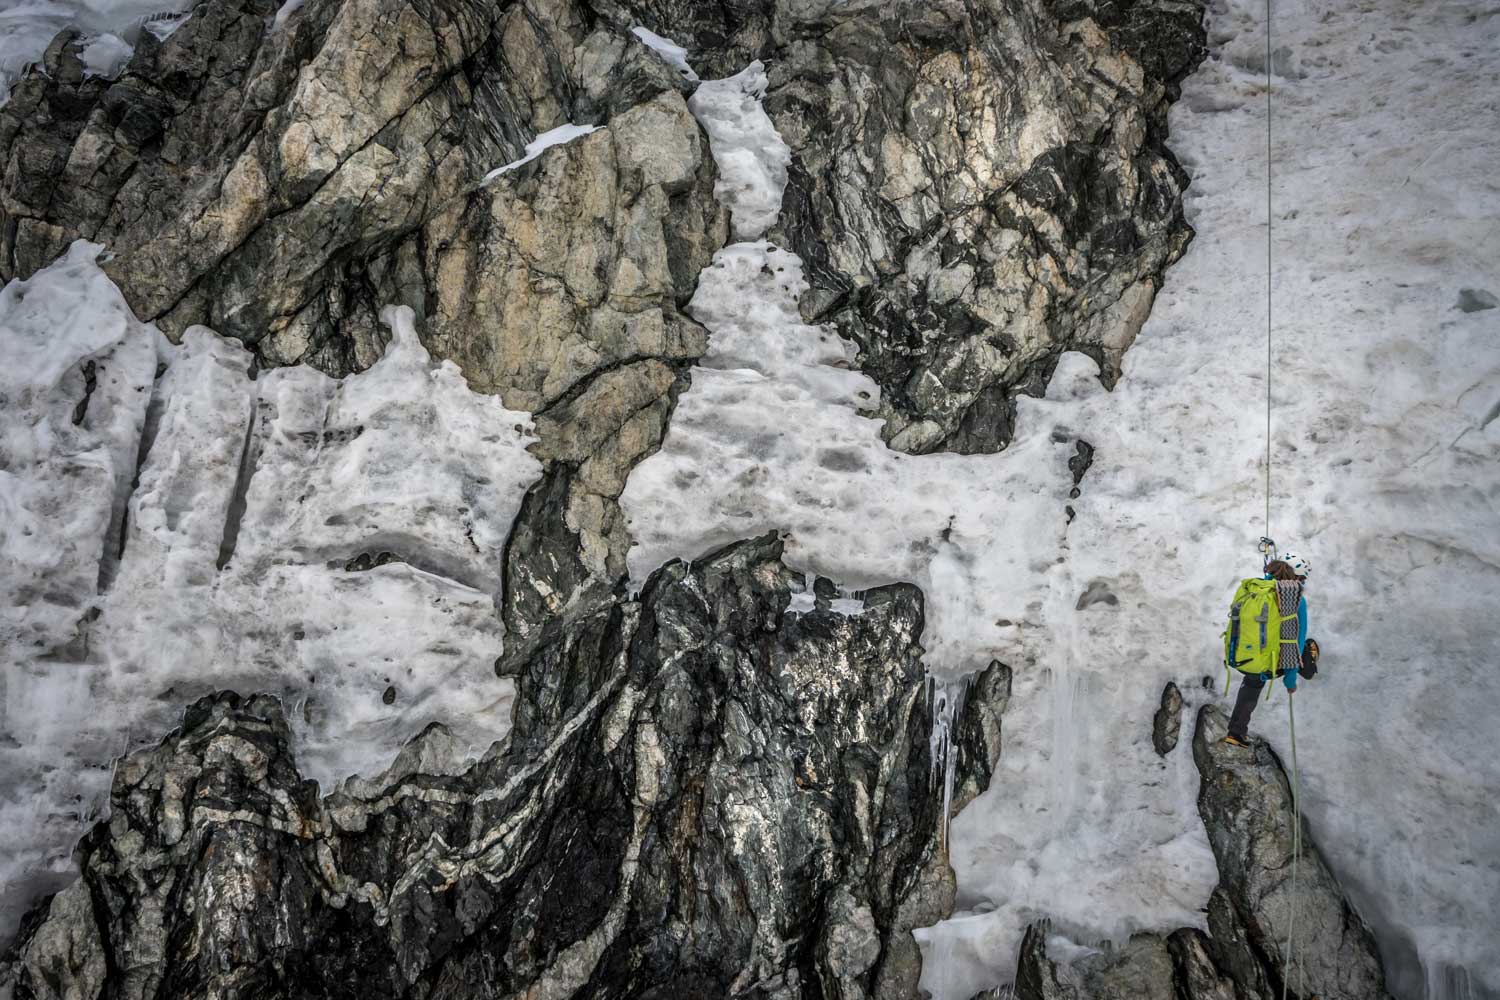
(1166, 724)
(1139, 970)
(703, 795)
(1246, 804)
(976, 188)
(977, 739)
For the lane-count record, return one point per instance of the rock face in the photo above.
(978, 739)
(281, 185)
(1246, 804)
(255, 181)
(975, 187)
(960, 234)
(704, 794)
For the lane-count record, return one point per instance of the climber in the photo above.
(1289, 567)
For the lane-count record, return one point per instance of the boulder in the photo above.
(1246, 804)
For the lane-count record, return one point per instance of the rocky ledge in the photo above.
(1246, 804)
(705, 794)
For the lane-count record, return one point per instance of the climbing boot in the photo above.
(1235, 741)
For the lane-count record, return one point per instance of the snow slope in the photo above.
(1385, 439)
(337, 543)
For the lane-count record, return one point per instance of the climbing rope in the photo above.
(1291, 923)
(1287, 954)
(1268, 269)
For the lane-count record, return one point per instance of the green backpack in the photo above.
(1258, 629)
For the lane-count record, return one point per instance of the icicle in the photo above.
(947, 700)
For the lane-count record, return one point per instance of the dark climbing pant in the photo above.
(1251, 689)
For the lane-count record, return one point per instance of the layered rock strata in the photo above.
(704, 794)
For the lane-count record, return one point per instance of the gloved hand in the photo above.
(1290, 680)
(1310, 659)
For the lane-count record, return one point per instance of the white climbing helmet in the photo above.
(1299, 565)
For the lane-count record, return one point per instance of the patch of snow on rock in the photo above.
(751, 155)
(670, 52)
(542, 143)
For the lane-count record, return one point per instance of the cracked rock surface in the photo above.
(975, 187)
(280, 185)
(704, 794)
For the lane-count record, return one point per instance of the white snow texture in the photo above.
(542, 143)
(322, 540)
(1385, 474)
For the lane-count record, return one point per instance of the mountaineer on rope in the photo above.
(1267, 637)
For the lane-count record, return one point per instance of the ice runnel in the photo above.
(947, 700)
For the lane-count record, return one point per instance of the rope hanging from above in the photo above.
(1268, 269)
(1268, 547)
